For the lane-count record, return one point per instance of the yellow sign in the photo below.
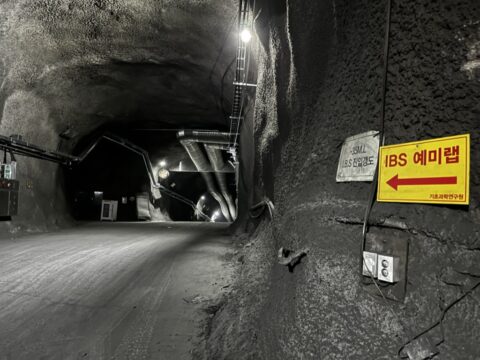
(435, 171)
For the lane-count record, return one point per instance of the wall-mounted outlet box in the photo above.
(370, 261)
(388, 268)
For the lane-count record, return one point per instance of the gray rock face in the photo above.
(83, 64)
(97, 61)
(320, 81)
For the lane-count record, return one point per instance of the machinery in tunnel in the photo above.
(123, 172)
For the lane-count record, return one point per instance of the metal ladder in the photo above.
(240, 76)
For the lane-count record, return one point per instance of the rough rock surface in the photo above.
(79, 65)
(82, 64)
(320, 76)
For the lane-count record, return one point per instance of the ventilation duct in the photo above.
(216, 159)
(190, 139)
(207, 137)
(203, 166)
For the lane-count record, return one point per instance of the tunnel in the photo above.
(239, 179)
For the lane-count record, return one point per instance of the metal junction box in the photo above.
(391, 247)
(8, 197)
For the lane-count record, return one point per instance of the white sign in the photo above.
(359, 157)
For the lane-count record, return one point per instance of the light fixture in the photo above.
(246, 36)
(163, 174)
(163, 163)
(215, 216)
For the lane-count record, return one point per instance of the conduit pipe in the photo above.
(148, 166)
(190, 139)
(202, 165)
(16, 145)
(206, 137)
(216, 159)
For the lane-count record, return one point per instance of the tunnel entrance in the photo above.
(111, 172)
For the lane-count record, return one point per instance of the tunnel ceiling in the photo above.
(82, 64)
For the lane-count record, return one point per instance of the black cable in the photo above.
(386, 51)
(373, 188)
(440, 320)
(258, 209)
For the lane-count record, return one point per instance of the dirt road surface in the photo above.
(110, 291)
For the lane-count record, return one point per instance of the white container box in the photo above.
(109, 210)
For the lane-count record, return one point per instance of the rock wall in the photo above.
(320, 81)
(41, 196)
(80, 65)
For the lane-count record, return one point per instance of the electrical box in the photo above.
(8, 171)
(8, 197)
(388, 268)
(391, 247)
(370, 261)
(109, 210)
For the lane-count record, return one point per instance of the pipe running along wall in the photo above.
(15, 145)
(155, 187)
(216, 159)
(189, 140)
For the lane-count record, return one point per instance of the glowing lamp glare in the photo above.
(246, 36)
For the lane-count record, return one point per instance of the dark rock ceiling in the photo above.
(82, 64)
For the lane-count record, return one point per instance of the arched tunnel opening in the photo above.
(111, 171)
(239, 179)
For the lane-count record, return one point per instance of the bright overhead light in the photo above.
(163, 163)
(163, 174)
(246, 36)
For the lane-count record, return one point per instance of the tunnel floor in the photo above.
(111, 291)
